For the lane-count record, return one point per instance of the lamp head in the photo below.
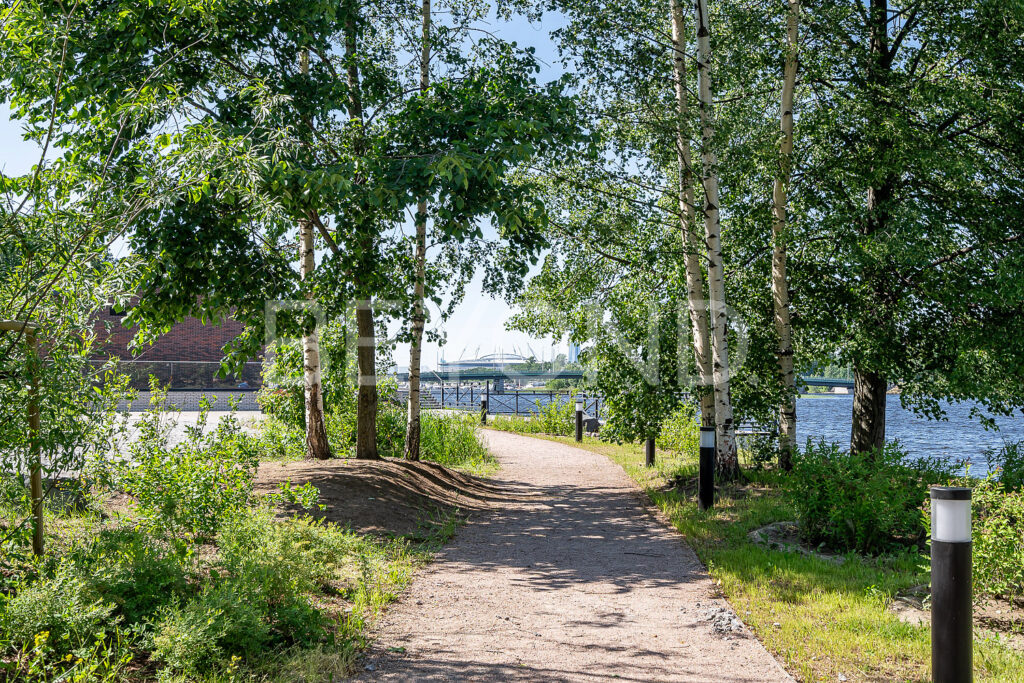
(707, 437)
(951, 514)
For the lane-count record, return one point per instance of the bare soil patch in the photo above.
(384, 497)
(991, 616)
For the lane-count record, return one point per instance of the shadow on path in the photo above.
(575, 583)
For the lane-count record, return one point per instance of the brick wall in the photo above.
(187, 357)
(189, 340)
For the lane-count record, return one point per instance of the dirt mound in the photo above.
(384, 496)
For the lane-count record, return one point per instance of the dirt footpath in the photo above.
(571, 580)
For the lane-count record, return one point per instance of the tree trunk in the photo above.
(366, 336)
(687, 215)
(728, 463)
(868, 431)
(868, 428)
(412, 427)
(366, 400)
(780, 283)
(317, 447)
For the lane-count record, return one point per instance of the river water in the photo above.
(957, 437)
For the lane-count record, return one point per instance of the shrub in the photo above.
(452, 440)
(868, 502)
(681, 431)
(274, 565)
(286, 404)
(557, 418)
(62, 606)
(1009, 462)
(185, 490)
(998, 537)
(192, 637)
(129, 570)
(276, 440)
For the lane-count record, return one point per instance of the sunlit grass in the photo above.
(818, 618)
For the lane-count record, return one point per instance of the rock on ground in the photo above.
(570, 578)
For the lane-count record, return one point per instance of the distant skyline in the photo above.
(477, 327)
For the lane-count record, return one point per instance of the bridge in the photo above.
(512, 373)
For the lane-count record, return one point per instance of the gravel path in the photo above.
(572, 579)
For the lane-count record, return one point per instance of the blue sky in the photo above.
(479, 323)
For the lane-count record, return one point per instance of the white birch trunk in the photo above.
(687, 215)
(780, 282)
(412, 427)
(728, 464)
(317, 446)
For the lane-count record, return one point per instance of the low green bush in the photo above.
(276, 440)
(681, 431)
(451, 440)
(1008, 464)
(554, 418)
(867, 503)
(998, 539)
(184, 490)
(194, 637)
(130, 570)
(62, 607)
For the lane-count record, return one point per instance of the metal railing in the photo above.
(505, 402)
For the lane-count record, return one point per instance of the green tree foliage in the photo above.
(911, 158)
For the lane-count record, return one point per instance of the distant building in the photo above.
(574, 353)
(187, 357)
(494, 361)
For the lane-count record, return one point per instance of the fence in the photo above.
(515, 402)
(189, 375)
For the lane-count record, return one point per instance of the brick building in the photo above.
(187, 357)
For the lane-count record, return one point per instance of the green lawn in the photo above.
(819, 619)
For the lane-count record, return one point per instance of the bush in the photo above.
(128, 570)
(286, 404)
(192, 637)
(274, 565)
(998, 536)
(1009, 462)
(681, 431)
(276, 440)
(62, 607)
(867, 503)
(185, 490)
(452, 440)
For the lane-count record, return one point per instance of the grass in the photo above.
(819, 619)
(357, 576)
(449, 439)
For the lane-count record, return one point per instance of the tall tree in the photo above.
(780, 282)
(317, 446)
(913, 160)
(694, 246)
(728, 463)
(412, 428)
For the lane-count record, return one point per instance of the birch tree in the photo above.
(694, 246)
(412, 429)
(317, 447)
(780, 282)
(728, 464)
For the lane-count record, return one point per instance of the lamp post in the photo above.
(952, 617)
(706, 476)
(649, 452)
(483, 409)
(579, 420)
